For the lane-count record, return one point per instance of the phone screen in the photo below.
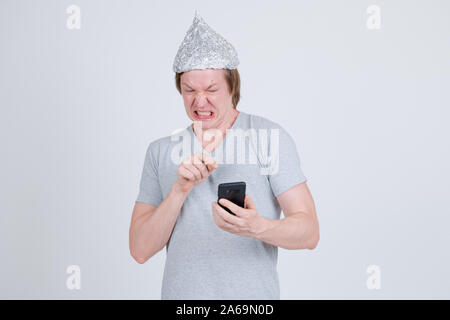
(233, 191)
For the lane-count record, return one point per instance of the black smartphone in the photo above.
(233, 191)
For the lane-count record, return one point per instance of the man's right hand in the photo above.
(194, 170)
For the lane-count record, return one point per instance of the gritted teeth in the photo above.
(204, 113)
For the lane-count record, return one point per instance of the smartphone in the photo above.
(233, 191)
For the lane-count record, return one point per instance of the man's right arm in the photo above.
(151, 226)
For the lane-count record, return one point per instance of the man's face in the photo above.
(206, 97)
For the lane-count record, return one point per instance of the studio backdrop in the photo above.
(361, 86)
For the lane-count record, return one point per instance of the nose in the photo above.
(200, 99)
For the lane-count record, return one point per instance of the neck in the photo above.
(228, 123)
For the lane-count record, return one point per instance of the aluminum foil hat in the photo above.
(203, 48)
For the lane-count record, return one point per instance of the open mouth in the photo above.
(203, 115)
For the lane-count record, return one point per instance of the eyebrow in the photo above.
(191, 88)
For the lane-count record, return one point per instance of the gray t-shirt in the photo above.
(204, 261)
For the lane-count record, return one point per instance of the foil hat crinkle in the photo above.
(203, 48)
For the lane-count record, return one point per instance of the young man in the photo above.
(212, 254)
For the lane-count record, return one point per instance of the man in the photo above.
(212, 254)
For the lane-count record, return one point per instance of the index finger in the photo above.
(211, 163)
(211, 167)
(207, 159)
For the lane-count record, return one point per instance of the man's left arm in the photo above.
(300, 227)
(298, 230)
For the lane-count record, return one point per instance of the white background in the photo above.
(368, 110)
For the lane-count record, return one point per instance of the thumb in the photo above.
(249, 204)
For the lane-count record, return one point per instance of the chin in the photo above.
(206, 125)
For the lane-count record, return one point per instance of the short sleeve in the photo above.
(149, 188)
(286, 171)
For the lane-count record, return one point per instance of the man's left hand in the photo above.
(246, 222)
